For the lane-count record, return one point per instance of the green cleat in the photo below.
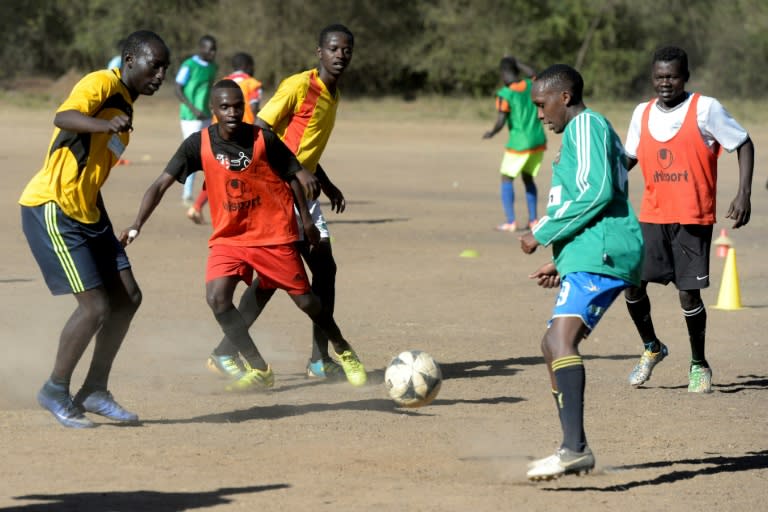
(699, 379)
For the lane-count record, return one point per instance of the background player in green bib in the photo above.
(527, 141)
(193, 88)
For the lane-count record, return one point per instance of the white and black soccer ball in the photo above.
(413, 378)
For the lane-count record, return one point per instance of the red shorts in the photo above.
(277, 266)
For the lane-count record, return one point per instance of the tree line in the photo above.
(407, 47)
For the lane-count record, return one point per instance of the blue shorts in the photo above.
(587, 296)
(73, 256)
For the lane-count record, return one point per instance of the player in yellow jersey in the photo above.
(66, 224)
(302, 112)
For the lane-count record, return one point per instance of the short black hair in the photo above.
(240, 60)
(225, 83)
(135, 42)
(335, 27)
(672, 54)
(207, 37)
(565, 78)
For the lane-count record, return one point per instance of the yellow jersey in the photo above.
(77, 164)
(302, 112)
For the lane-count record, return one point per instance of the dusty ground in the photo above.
(419, 192)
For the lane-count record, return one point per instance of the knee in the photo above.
(324, 266)
(634, 293)
(98, 310)
(690, 299)
(133, 302)
(308, 303)
(218, 302)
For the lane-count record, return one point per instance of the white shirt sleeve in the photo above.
(183, 75)
(716, 123)
(633, 132)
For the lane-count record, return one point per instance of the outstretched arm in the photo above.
(149, 202)
(740, 209)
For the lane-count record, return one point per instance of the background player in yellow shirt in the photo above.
(70, 234)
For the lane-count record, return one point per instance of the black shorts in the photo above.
(677, 253)
(73, 256)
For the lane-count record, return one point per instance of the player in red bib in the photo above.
(677, 138)
(252, 180)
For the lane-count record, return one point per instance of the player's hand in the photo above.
(309, 183)
(338, 203)
(528, 243)
(311, 234)
(740, 211)
(120, 123)
(546, 276)
(488, 135)
(128, 235)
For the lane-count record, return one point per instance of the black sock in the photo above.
(235, 329)
(640, 312)
(252, 303)
(696, 320)
(571, 377)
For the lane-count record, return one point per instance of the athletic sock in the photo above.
(558, 396)
(508, 199)
(570, 377)
(235, 329)
(531, 198)
(640, 312)
(55, 385)
(696, 320)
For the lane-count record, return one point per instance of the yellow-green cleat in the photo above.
(353, 368)
(225, 366)
(253, 380)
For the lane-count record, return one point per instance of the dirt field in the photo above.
(419, 193)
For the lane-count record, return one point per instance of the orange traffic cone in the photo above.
(723, 243)
(729, 297)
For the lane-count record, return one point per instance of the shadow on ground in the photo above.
(713, 466)
(131, 501)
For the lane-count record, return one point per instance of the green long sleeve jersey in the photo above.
(590, 223)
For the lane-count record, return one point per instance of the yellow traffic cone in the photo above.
(729, 297)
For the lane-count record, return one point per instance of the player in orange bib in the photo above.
(677, 138)
(253, 181)
(302, 113)
(242, 64)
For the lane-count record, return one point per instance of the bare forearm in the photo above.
(746, 156)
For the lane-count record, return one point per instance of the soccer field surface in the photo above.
(421, 189)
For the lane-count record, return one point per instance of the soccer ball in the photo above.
(413, 379)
